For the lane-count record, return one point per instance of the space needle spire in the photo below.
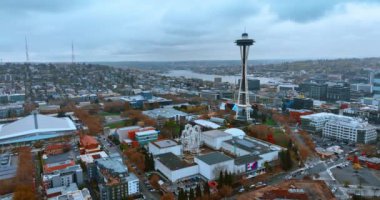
(242, 106)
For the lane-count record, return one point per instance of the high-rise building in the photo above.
(302, 103)
(376, 85)
(218, 80)
(314, 90)
(339, 92)
(339, 127)
(243, 108)
(253, 84)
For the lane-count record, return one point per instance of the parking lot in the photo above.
(323, 142)
(364, 176)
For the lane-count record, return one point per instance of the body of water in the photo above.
(208, 77)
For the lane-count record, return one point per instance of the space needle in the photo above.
(243, 107)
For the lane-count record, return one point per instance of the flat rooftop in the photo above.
(70, 155)
(216, 133)
(113, 165)
(214, 158)
(172, 161)
(89, 158)
(339, 119)
(165, 143)
(249, 145)
(8, 166)
(206, 123)
(164, 112)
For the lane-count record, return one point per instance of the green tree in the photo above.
(191, 195)
(285, 160)
(221, 179)
(198, 191)
(268, 167)
(182, 194)
(290, 144)
(263, 118)
(171, 129)
(61, 113)
(147, 162)
(228, 178)
(289, 160)
(206, 189)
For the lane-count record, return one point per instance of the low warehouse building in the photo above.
(211, 164)
(214, 138)
(173, 167)
(251, 154)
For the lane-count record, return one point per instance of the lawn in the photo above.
(109, 114)
(116, 124)
(280, 138)
(270, 122)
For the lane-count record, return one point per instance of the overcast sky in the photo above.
(168, 30)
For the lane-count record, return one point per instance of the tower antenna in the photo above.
(72, 53)
(26, 50)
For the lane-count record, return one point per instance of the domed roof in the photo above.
(235, 132)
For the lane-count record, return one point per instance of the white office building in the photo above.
(350, 129)
(339, 127)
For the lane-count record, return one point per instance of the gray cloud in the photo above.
(186, 30)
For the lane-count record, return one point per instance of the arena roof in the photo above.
(35, 123)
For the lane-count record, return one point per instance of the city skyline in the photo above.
(176, 31)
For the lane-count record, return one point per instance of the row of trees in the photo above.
(193, 194)
(136, 156)
(260, 131)
(115, 106)
(93, 122)
(195, 109)
(137, 116)
(225, 178)
(171, 129)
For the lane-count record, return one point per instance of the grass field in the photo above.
(280, 138)
(270, 122)
(109, 114)
(116, 124)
